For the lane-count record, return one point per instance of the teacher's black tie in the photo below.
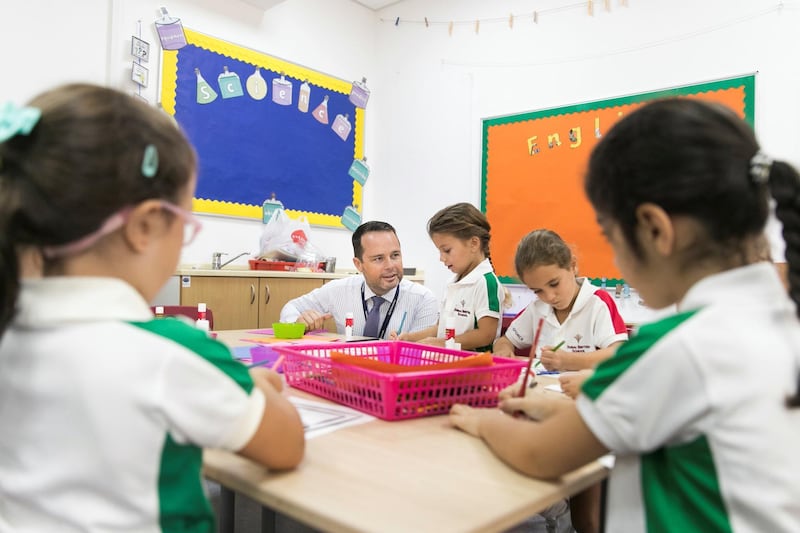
(373, 318)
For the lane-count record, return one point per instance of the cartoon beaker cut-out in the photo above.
(230, 86)
(282, 91)
(359, 94)
(321, 112)
(341, 126)
(256, 85)
(351, 219)
(269, 207)
(170, 31)
(205, 94)
(304, 97)
(359, 170)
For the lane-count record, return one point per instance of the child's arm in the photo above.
(536, 449)
(279, 441)
(563, 361)
(481, 336)
(504, 347)
(416, 336)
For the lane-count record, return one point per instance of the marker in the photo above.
(278, 363)
(402, 321)
(559, 345)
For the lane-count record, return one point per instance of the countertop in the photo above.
(241, 271)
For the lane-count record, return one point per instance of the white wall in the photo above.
(89, 40)
(429, 90)
(440, 87)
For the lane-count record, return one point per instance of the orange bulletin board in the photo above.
(534, 162)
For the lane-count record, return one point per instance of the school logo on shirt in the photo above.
(578, 347)
(463, 311)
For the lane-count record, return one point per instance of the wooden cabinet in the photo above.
(233, 300)
(275, 292)
(245, 302)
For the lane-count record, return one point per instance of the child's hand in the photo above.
(571, 383)
(468, 419)
(393, 336)
(535, 406)
(553, 360)
(512, 391)
(265, 375)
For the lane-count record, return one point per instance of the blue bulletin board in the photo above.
(262, 125)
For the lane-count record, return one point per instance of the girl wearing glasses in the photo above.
(104, 411)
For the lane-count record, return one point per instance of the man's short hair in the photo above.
(366, 227)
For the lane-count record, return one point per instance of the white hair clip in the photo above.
(760, 168)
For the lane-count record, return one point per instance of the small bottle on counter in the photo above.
(348, 326)
(450, 332)
(159, 311)
(202, 322)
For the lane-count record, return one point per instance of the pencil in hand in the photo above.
(531, 356)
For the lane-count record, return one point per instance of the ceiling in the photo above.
(375, 5)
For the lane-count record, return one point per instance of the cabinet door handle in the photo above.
(252, 294)
(266, 294)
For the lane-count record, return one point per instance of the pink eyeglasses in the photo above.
(191, 227)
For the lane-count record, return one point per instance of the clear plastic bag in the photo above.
(286, 239)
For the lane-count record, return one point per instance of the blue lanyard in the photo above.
(389, 313)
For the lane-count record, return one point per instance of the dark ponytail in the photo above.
(9, 269)
(9, 261)
(785, 188)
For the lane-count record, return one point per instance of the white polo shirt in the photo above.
(593, 323)
(476, 295)
(104, 412)
(694, 408)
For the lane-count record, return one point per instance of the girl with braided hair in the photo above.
(700, 407)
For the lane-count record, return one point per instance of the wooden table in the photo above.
(415, 475)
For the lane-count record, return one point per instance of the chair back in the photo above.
(187, 311)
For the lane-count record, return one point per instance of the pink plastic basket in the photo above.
(396, 396)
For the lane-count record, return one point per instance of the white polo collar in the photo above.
(55, 300)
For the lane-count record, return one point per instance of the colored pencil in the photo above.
(278, 363)
(531, 357)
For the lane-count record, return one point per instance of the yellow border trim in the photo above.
(169, 84)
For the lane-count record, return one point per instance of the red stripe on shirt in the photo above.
(616, 318)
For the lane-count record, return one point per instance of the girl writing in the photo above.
(104, 411)
(474, 298)
(583, 319)
(705, 441)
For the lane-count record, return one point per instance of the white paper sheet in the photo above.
(320, 418)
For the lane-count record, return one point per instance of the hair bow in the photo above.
(17, 120)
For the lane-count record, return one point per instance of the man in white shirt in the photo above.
(377, 257)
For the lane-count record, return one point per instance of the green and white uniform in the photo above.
(104, 412)
(694, 408)
(476, 295)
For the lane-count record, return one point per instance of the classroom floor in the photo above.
(248, 518)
